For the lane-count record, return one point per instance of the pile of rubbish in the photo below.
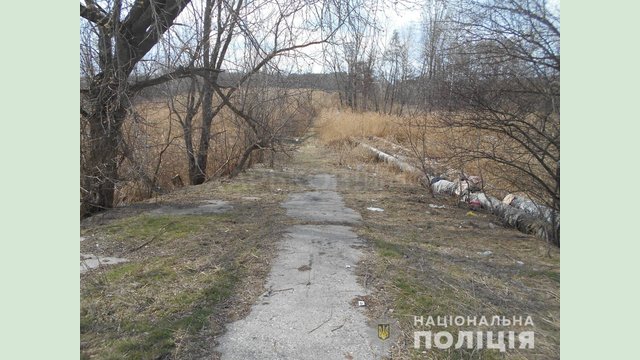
(514, 210)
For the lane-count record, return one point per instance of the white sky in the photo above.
(400, 18)
(403, 16)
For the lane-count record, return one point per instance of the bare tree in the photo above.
(396, 74)
(437, 33)
(267, 36)
(507, 92)
(351, 55)
(118, 35)
(119, 59)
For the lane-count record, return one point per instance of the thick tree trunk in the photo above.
(101, 162)
(122, 41)
(199, 173)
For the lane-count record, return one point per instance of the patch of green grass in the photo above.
(125, 270)
(155, 344)
(168, 227)
(139, 309)
(404, 285)
(145, 338)
(387, 249)
(159, 269)
(237, 188)
(549, 274)
(86, 321)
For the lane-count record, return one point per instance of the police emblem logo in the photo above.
(383, 331)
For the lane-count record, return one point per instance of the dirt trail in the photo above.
(309, 310)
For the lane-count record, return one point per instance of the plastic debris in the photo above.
(375, 209)
(434, 206)
(522, 203)
(361, 303)
(471, 213)
(519, 263)
(444, 187)
(485, 253)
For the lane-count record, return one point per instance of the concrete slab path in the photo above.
(308, 311)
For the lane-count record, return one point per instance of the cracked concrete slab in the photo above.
(320, 206)
(90, 261)
(307, 311)
(323, 182)
(308, 314)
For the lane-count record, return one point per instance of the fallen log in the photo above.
(393, 160)
(406, 152)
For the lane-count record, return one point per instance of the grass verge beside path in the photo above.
(195, 273)
(199, 272)
(429, 260)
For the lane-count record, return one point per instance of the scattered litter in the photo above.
(361, 303)
(434, 206)
(375, 209)
(519, 262)
(348, 266)
(471, 213)
(485, 253)
(475, 204)
(278, 190)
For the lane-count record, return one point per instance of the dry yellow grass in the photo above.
(156, 148)
(155, 139)
(334, 125)
(425, 136)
